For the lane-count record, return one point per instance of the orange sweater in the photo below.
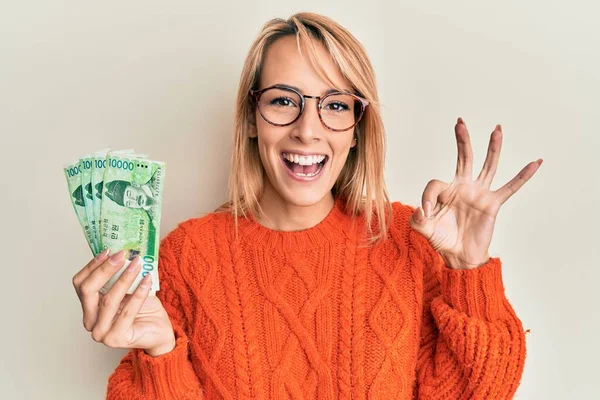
(312, 315)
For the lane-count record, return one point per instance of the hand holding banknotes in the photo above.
(118, 319)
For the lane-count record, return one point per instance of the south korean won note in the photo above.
(131, 212)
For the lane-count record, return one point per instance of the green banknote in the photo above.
(76, 193)
(131, 212)
(85, 164)
(98, 168)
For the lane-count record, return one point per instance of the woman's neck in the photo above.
(281, 215)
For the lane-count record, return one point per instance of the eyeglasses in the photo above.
(282, 106)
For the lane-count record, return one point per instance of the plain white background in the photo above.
(162, 76)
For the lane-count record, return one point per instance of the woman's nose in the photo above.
(309, 127)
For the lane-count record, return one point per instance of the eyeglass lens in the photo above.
(282, 106)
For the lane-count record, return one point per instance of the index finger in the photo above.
(89, 268)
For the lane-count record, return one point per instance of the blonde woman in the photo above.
(309, 283)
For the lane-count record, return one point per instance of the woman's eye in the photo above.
(337, 106)
(282, 101)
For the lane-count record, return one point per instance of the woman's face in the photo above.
(307, 136)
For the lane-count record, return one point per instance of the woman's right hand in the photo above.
(117, 319)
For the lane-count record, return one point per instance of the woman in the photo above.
(309, 283)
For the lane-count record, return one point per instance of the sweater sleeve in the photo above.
(472, 344)
(171, 375)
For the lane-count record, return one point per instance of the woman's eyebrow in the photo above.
(298, 89)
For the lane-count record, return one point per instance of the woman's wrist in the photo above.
(162, 349)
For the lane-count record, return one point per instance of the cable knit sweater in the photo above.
(315, 314)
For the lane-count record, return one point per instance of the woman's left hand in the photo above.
(458, 218)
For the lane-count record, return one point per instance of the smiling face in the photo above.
(282, 148)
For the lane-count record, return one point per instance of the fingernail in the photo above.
(418, 215)
(117, 257)
(461, 121)
(499, 127)
(134, 265)
(146, 280)
(103, 254)
(427, 208)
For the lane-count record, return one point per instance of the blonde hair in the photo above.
(361, 183)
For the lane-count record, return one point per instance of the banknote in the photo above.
(76, 193)
(98, 168)
(131, 212)
(85, 164)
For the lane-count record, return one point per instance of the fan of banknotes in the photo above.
(117, 197)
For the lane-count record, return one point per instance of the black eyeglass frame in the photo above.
(364, 103)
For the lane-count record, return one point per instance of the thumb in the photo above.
(418, 217)
(421, 224)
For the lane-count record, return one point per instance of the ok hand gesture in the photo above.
(458, 218)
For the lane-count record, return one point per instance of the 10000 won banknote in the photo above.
(131, 212)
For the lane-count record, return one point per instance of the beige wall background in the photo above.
(162, 76)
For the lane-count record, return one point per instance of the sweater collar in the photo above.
(330, 229)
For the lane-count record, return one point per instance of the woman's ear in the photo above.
(252, 131)
(354, 139)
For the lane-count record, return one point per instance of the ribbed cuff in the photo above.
(169, 376)
(477, 292)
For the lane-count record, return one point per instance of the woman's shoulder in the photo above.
(402, 213)
(403, 231)
(202, 223)
(400, 227)
(196, 231)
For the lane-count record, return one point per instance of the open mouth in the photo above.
(304, 167)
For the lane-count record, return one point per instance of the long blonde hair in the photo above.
(361, 182)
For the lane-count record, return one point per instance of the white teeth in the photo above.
(311, 175)
(303, 160)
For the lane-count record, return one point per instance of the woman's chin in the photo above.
(302, 197)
